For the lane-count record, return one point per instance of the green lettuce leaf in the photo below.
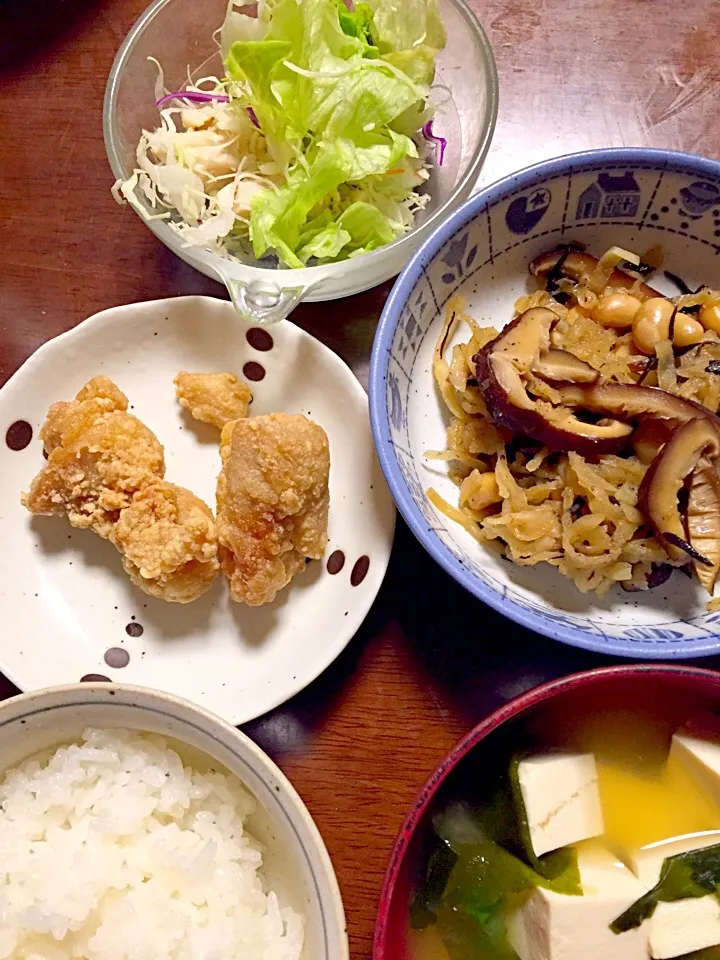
(357, 23)
(277, 218)
(404, 24)
(239, 26)
(347, 96)
(367, 227)
(365, 99)
(280, 219)
(337, 113)
(256, 62)
(376, 154)
(322, 239)
(409, 34)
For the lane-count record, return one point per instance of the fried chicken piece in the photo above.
(273, 501)
(103, 388)
(214, 398)
(168, 540)
(100, 456)
(106, 397)
(105, 472)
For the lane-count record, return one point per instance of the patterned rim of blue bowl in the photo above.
(488, 196)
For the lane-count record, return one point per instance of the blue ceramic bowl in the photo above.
(634, 198)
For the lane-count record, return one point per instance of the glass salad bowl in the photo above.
(179, 35)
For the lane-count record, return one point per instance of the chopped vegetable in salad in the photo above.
(315, 145)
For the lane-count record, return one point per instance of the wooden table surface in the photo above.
(430, 661)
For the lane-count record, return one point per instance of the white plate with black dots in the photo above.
(69, 611)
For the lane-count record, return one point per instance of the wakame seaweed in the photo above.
(425, 903)
(684, 876)
(471, 916)
(480, 867)
(559, 867)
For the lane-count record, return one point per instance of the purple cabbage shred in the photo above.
(194, 96)
(200, 96)
(440, 142)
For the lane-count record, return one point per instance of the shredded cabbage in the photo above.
(308, 150)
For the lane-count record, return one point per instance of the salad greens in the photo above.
(684, 876)
(308, 149)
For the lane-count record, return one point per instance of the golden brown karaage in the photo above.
(214, 398)
(168, 540)
(99, 456)
(272, 502)
(105, 472)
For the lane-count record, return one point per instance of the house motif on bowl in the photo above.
(609, 196)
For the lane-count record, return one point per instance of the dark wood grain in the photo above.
(429, 661)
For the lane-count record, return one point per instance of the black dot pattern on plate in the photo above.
(336, 561)
(259, 339)
(254, 371)
(117, 657)
(359, 571)
(134, 630)
(18, 435)
(95, 678)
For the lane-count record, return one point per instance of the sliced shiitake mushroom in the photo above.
(523, 347)
(689, 455)
(560, 366)
(577, 265)
(512, 355)
(703, 520)
(629, 402)
(648, 439)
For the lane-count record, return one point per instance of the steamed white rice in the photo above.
(111, 849)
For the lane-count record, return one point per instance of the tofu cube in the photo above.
(562, 799)
(553, 926)
(647, 862)
(686, 925)
(697, 748)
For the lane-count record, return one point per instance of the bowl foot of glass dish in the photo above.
(263, 302)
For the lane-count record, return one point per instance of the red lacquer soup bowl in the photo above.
(668, 695)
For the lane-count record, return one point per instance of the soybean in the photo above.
(616, 310)
(652, 324)
(710, 315)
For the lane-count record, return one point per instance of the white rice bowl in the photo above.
(112, 849)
